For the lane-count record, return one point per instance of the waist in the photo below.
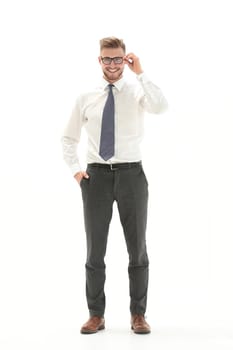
(115, 166)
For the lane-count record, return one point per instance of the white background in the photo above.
(49, 53)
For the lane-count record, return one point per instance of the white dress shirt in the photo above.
(131, 102)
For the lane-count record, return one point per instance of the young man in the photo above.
(113, 118)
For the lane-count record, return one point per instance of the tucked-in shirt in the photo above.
(132, 100)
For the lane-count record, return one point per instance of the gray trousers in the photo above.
(128, 187)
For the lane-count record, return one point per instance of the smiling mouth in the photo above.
(112, 70)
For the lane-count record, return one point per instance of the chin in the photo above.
(113, 77)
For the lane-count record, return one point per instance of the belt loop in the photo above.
(111, 167)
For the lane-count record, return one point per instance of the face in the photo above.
(113, 71)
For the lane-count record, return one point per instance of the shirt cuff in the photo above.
(75, 168)
(142, 77)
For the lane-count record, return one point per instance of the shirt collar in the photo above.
(118, 84)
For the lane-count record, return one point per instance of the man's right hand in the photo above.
(78, 176)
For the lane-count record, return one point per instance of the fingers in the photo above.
(85, 175)
(130, 57)
(80, 175)
(128, 60)
(133, 62)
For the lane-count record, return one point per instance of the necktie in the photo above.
(106, 150)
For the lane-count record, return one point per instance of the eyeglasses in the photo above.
(108, 60)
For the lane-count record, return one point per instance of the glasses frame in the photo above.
(114, 59)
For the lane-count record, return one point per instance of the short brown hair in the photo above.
(111, 42)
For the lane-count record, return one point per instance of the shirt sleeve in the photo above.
(69, 147)
(153, 100)
(71, 137)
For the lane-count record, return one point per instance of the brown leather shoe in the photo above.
(93, 325)
(139, 325)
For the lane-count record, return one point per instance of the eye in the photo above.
(106, 60)
(118, 60)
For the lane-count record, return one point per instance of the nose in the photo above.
(112, 63)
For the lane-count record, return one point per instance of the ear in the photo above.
(99, 59)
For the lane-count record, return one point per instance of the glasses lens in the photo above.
(108, 60)
(118, 60)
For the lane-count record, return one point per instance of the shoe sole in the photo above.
(86, 331)
(142, 331)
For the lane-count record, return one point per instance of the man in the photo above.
(113, 118)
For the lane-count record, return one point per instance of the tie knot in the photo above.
(110, 86)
